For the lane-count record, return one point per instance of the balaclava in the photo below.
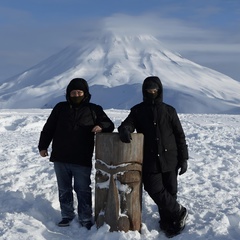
(151, 85)
(78, 84)
(152, 82)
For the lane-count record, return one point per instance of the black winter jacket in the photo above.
(164, 139)
(69, 129)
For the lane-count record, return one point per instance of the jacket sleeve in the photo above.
(180, 137)
(129, 122)
(103, 120)
(48, 130)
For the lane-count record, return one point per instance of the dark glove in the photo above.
(125, 135)
(183, 165)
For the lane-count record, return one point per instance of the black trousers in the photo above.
(162, 188)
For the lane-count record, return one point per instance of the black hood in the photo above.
(78, 84)
(152, 81)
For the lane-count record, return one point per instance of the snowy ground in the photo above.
(29, 206)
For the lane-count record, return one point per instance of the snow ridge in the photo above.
(115, 66)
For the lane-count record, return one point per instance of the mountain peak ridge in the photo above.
(114, 63)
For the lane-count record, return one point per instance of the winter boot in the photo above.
(178, 223)
(65, 222)
(86, 224)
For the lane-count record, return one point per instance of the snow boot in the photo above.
(86, 224)
(178, 223)
(65, 222)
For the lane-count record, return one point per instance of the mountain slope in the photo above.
(115, 67)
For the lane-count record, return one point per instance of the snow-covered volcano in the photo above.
(115, 67)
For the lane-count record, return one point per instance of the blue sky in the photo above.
(206, 32)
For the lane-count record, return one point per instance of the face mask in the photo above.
(76, 100)
(151, 95)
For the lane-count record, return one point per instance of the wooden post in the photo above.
(118, 190)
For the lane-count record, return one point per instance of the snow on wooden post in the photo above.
(118, 190)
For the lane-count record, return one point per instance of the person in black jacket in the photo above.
(165, 152)
(71, 127)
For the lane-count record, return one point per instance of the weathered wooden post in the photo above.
(118, 190)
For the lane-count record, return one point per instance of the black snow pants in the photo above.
(162, 188)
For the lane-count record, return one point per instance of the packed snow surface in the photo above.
(29, 207)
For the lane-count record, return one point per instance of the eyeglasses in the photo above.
(154, 90)
(75, 93)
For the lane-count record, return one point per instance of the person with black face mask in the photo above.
(165, 152)
(152, 93)
(76, 97)
(71, 127)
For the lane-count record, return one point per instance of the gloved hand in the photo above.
(125, 135)
(183, 165)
